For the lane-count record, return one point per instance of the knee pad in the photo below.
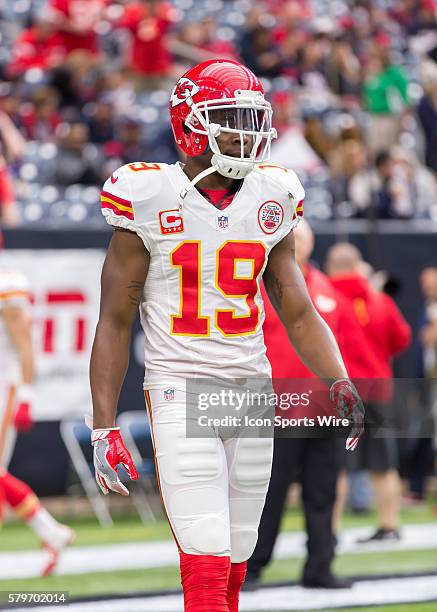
(252, 464)
(209, 536)
(200, 517)
(243, 542)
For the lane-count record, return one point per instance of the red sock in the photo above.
(19, 496)
(204, 581)
(236, 581)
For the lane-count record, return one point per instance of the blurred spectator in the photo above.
(101, 121)
(116, 88)
(387, 334)
(425, 432)
(129, 146)
(398, 187)
(76, 22)
(39, 46)
(312, 62)
(338, 68)
(12, 147)
(76, 161)
(347, 158)
(415, 16)
(188, 48)
(309, 458)
(427, 112)
(428, 323)
(214, 42)
(40, 117)
(74, 83)
(343, 71)
(259, 52)
(385, 97)
(287, 122)
(149, 22)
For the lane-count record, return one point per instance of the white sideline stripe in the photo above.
(379, 592)
(144, 555)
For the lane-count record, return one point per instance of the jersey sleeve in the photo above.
(119, 206)
(14, 290)
(297, 196)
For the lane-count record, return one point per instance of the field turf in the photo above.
(15, 536)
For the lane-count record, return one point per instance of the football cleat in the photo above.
(65, 537)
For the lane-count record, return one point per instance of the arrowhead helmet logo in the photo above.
(184, 88)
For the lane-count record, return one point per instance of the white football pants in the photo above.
(213, 490)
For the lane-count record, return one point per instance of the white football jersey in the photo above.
(14, 292)
(202, 311)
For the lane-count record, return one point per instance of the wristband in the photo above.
(101, 434)
(25, 394)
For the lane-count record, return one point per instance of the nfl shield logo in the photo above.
(168, 394)
(223, 222)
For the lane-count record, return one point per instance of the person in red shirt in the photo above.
(36, 47)
(76, 22)
(308, 458)
(387, 334)
(149, 21)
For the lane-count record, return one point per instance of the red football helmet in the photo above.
(222, 96)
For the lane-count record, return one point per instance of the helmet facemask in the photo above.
(247, 115)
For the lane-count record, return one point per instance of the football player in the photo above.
(16, 396)
(191, 245)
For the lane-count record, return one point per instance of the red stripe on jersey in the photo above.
(106, 194)
(117, 211)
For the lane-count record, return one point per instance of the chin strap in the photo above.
(194, 182)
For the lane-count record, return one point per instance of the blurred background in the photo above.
(84, 88)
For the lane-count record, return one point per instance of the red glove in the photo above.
(109, 451)
(23, 420)
(348, 405)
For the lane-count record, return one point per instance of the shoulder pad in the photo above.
(128, 186)
(125, 194)
(286, 179)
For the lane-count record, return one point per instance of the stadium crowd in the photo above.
(85, 84)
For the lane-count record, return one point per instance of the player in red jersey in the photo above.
(192, 260)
